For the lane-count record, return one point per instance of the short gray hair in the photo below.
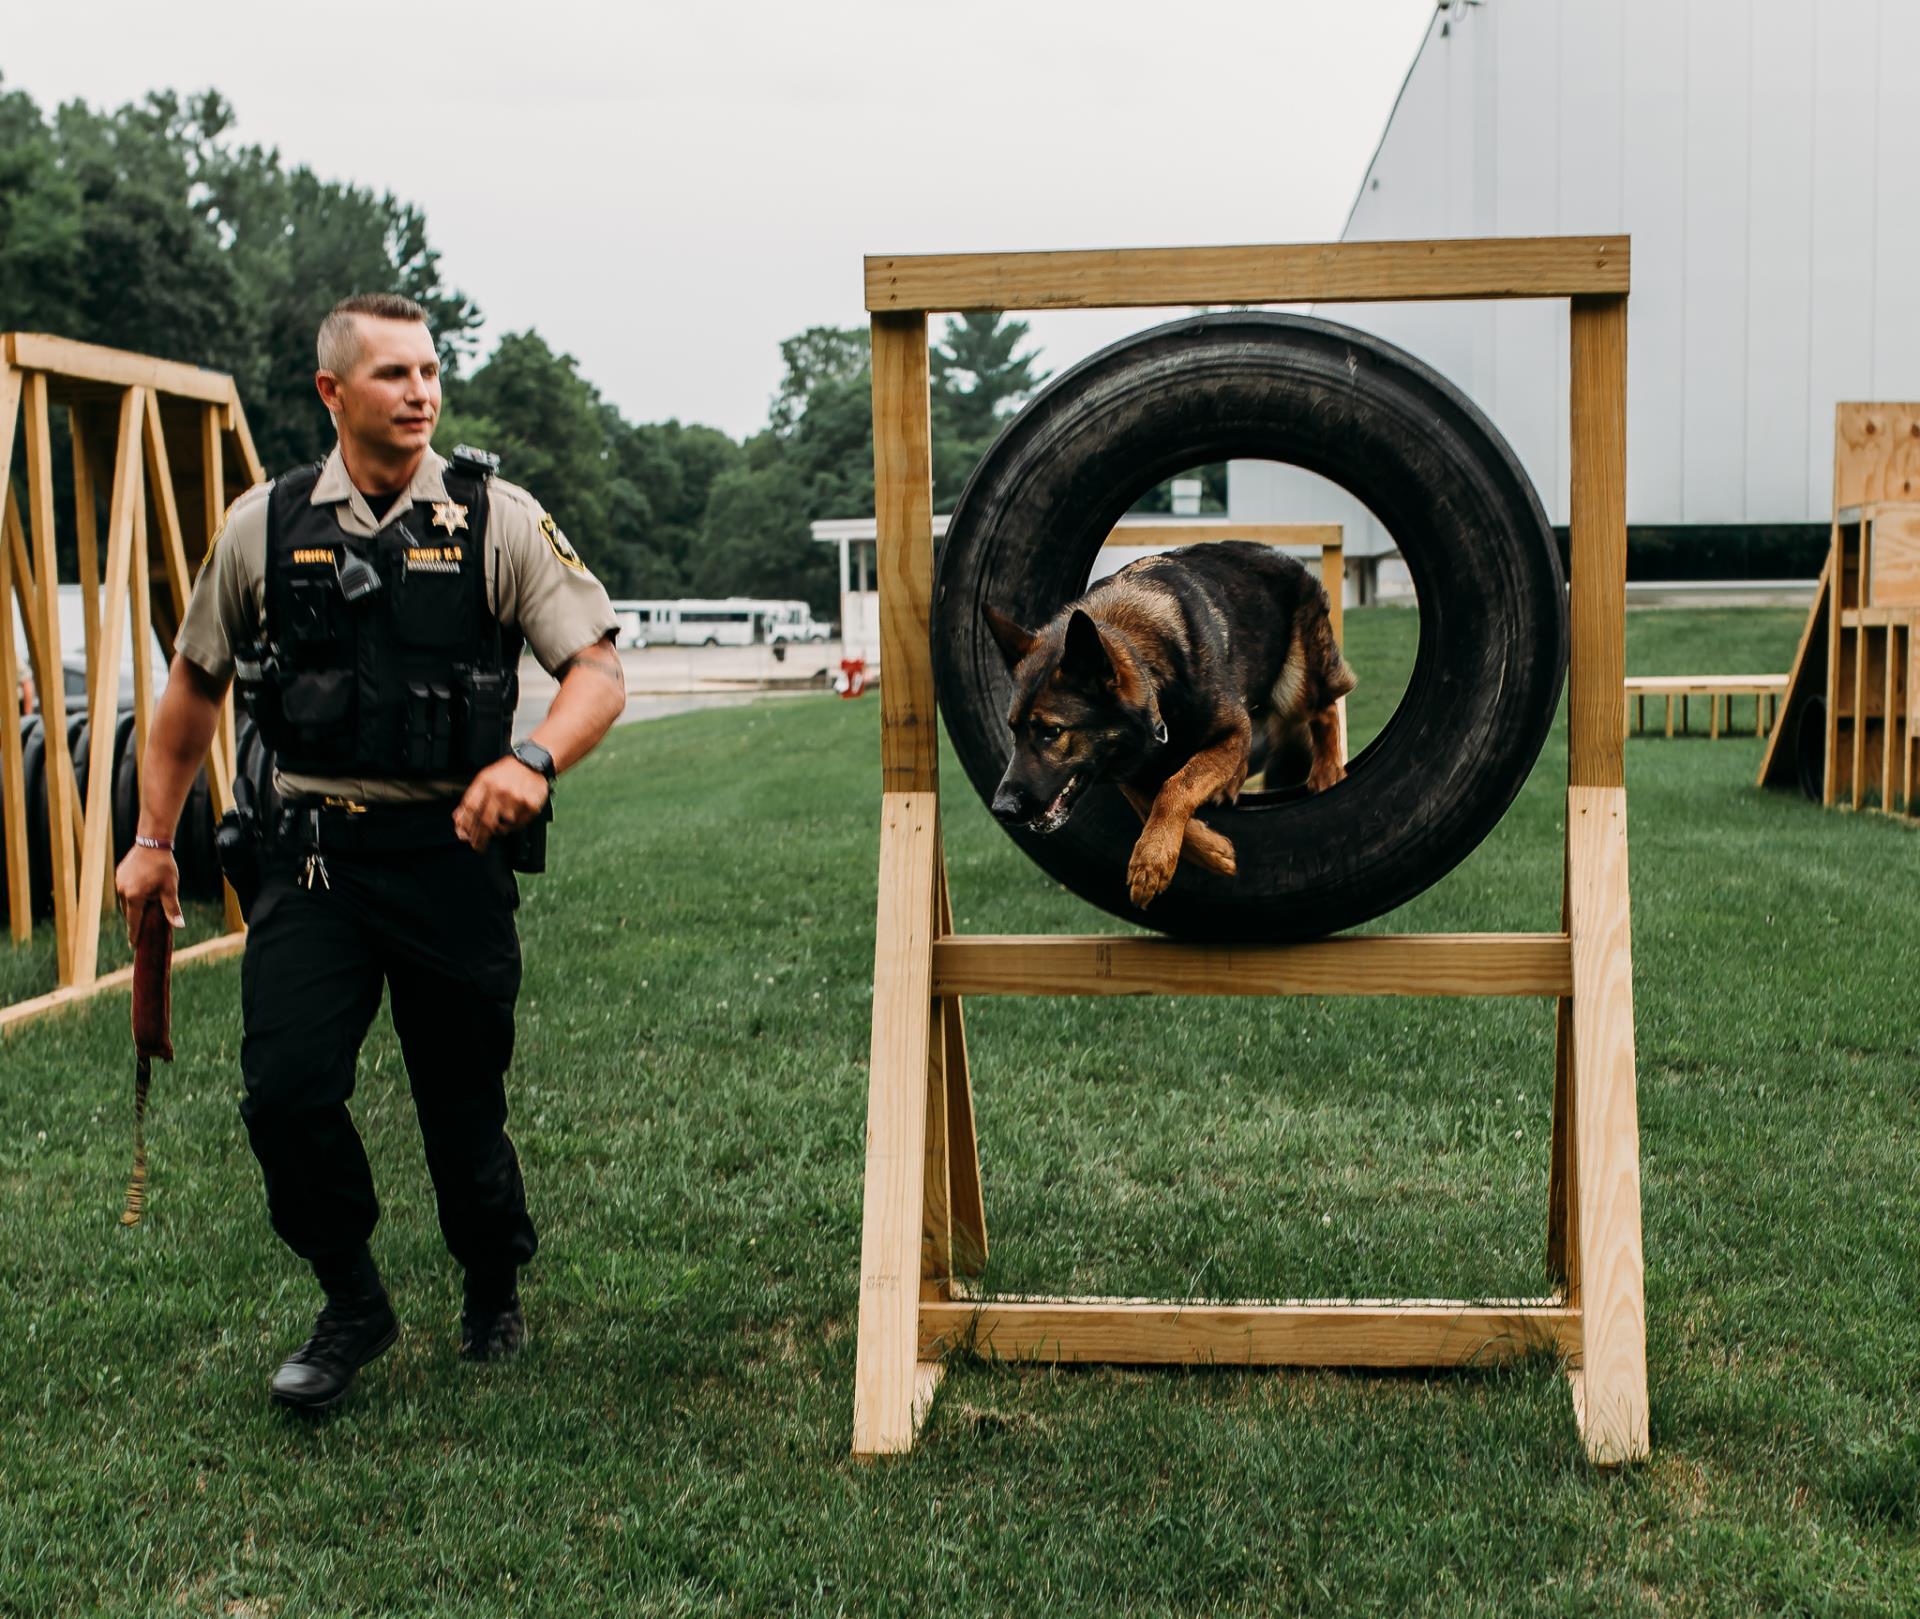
(338, 345)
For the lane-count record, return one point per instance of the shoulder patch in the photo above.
(557, 543)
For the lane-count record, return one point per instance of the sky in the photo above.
(665, 191)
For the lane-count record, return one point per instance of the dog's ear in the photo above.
(1086, 654)
(1015, 643)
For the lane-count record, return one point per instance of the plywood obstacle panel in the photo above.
(1845, 731)
(167, 445)
(924, 1233)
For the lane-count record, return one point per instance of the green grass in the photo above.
(689, 1097)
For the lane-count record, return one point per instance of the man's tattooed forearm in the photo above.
(604, 663)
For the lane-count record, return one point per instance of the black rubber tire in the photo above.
(1810, 748)
(33, 759)
(80, 750)
(28, 727)
(1493, 618)
(198, 860)
(126, 784)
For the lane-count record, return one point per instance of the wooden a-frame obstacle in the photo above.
(924, 1226)
(168, 441)
(1857, 649)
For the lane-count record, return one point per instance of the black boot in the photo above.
(491, 1324)
(356, 1324)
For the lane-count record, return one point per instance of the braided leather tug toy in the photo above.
(152, 1037)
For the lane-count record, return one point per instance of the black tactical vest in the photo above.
(383, 655)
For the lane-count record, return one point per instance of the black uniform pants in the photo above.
(436, 927)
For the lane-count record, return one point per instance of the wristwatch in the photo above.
(535, 757)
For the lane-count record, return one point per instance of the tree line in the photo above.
(153, 228)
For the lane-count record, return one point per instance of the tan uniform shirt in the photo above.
(538, 586)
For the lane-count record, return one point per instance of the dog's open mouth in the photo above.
(1054, 816)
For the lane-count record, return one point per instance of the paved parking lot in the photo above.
(672, 679)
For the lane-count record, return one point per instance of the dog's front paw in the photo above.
(1210, 850)
(1324, 774)
(1151, 868)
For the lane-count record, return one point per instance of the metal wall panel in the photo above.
(1840, 305)
(1759, 152)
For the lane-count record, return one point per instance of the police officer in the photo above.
(373, 609)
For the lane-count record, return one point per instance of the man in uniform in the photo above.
(373, 609)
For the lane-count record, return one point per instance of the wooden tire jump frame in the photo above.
(924, 1226)
(167, 441)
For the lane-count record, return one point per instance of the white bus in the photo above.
(720, 621)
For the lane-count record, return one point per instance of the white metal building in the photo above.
(1761, 155)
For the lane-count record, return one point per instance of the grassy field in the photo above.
(689, 1093)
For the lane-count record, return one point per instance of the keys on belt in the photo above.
(309, 827)
(315, 868)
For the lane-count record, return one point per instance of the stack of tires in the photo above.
(193, 840)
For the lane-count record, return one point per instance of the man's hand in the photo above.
(148, 877)
(504, 796)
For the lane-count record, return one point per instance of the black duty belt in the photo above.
(339, 826)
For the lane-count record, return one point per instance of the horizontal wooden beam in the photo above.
(1339, 1333)
(1704, 685)
(1328, 272)
(1160, 535)
(62, 357)
(1355, 964)
(17, 1016)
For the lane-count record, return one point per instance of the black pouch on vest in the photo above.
(431, 608)
(318, 702)
(486, 718)
(310, 608)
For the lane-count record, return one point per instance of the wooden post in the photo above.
(62, 794)
(1610, 1386)
(903, 515)
(86, 540)
(968, 1217)
(890, 1393)
(885, 1380)
(122, 520)
(220, 759)
(141, 599)
(13, 780)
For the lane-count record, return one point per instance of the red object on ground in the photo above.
(853, 677)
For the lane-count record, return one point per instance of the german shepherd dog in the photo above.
(1174, 678)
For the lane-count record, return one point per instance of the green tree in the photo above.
(757, 541)
(672, 467)
(41, 242)
(631, 498)
(149, 228)
(979, 376)
(548, 427)
(299, 244)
